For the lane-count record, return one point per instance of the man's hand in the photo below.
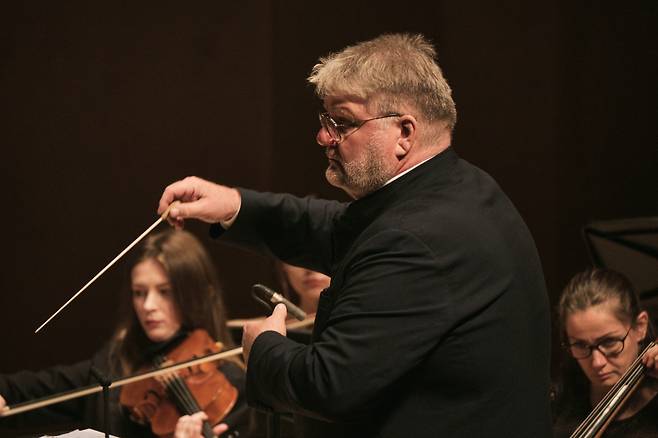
(199, 199)
(276, 322)
(189, 426)
(3, 404)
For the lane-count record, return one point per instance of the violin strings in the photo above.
(182, 395)
(630, 378)
(180, 400)
(188, 404)
(178, 386)
(590, 422)
(593, 421)
(617, 398)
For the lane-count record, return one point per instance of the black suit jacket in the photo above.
(436, 322)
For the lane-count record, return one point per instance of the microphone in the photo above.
(270, 298)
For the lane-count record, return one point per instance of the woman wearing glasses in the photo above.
(604, 330)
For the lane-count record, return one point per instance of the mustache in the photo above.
(332, 155)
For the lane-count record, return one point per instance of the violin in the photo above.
(161, 401)
(605, 411)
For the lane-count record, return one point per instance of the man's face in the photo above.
(365, 159)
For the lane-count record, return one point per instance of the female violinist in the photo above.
(173, 293)
(604, 330)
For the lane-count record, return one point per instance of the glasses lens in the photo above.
(579, 351)
(611, 347)
(608, 347)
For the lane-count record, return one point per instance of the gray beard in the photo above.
(359, 178)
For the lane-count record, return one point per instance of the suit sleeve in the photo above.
(390, 312)
(296, 230)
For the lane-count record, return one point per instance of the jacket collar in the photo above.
(433, 174)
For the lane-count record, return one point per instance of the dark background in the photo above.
(105, 103)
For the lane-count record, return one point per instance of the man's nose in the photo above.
(323, 138)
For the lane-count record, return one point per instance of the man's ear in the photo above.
(408, 133)
(642, 324)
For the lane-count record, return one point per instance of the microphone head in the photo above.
(271, 298)
(259, 291)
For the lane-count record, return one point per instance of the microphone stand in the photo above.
(273, 424)
(105, 383)
(270, 298)
(272, 421)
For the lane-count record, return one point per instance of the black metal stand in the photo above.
(273, 425)
(105, 383)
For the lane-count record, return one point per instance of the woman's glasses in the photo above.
(609, 347)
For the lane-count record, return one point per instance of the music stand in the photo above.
(628, 246)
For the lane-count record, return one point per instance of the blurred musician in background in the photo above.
(172, 289)
(302, 286)
(604, 329)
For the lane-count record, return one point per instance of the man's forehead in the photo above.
(345, 103)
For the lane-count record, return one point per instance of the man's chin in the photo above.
(334, 176)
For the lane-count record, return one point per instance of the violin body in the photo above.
(161, 402)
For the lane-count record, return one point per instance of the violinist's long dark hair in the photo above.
(586, 289)
(195, 288)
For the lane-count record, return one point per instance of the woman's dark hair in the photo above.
(195, 289)
(596, 286)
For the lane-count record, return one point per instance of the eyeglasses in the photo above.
(340, 131)
(609, 347)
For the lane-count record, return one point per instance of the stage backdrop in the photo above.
(104, 104)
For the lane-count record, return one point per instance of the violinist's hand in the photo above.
(650, 361)
(189, 426)
(199, 199)
(276, 322)
(3, 404)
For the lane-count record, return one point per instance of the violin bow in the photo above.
(102, 271)
(51, 400)
(239, 323)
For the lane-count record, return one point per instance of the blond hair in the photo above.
(391, 71)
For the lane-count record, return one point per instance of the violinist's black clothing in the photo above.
(569, 413)
(436, 322)
(83, 412)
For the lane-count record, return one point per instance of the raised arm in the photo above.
(199, 199)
